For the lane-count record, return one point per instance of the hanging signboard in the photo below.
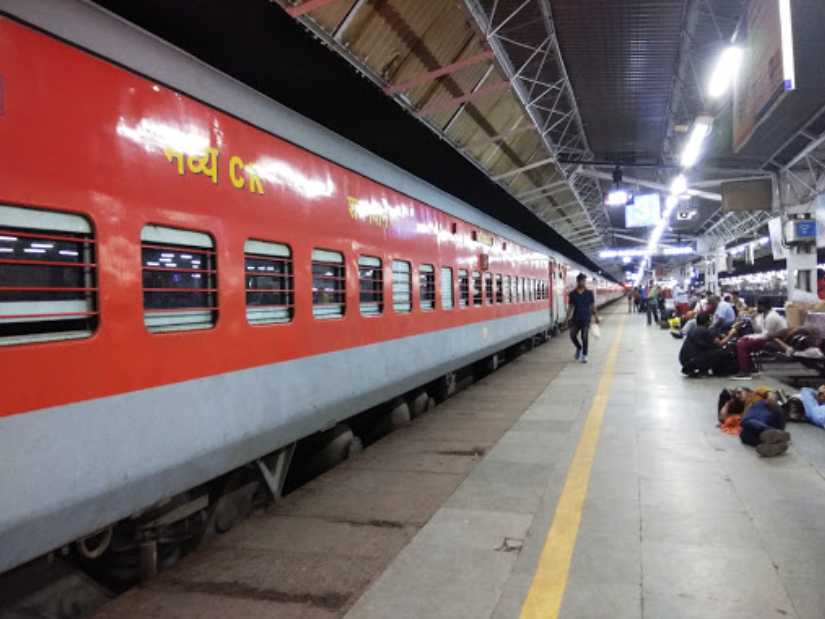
(767, 71)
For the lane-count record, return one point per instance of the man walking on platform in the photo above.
(652, 303)
(581, 307)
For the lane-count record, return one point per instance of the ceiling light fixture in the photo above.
(677, 187)
(725, 71)
(693, 148)
(786, 35)
(618, 196)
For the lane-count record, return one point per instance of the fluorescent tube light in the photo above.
(693, 147)
(678, 186)
(617, 197)
(726, 68)
(786, 31)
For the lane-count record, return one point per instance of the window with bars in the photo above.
(426, 286)
(329, 285)
(179, 279)
(401, 286)
(476, 288)
(446, 288)
(270, 288)
(463, 288)
(499, 289)
(371, 285)
(488, 288)
(48, 283)
(508, 289)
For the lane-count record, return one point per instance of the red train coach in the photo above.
(182, 292)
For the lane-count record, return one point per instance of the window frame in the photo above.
(378, 302)
(444, 288)
(476, 289)
(428, 304)
(408, 306)
(464, 288)
(326, 257)
(489, 288)
(499, 288)
(185, 241)
(288, 275)
(44, 229)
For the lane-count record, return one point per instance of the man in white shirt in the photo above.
(767, 324)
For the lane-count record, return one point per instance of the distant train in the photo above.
(192, 276)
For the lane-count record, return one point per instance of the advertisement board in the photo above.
(760, 83)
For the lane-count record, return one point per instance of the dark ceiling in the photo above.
(622, 56)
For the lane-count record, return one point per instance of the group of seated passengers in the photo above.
(705, 349)
(760, 415)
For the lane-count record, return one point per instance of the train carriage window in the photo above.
(463, 288)
(371, 285)
(446, 288)
(499, 289)
(488, 288)
(401, 286)
(516, 297)
(508, 297)
(329, 284)
(48, 285)
(179, 279)
(426, 284)
(476, 288)
(270, 289)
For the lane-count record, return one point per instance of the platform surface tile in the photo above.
(678, 520)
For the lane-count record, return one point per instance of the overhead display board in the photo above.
(766, 73)
(644, 211)
(752, 195)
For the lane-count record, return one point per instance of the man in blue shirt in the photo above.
(763, 427)
(724, 316)
(814, 403)
(581, 307)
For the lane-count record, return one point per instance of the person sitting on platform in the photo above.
(723, 315)
(814, 403)
(763, 427)
(767, 325)
(702, 352)
(738, 303)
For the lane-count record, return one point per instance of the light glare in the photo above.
(725, 71)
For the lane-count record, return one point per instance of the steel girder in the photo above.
(543, 87)
(549, 102)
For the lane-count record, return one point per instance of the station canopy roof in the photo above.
(546, 97)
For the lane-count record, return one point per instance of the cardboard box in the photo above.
(795, 313)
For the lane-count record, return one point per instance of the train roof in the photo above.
(109, 36)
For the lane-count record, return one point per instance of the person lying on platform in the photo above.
(763, 427)
(814, 403)
(767, 326)
(702, 352)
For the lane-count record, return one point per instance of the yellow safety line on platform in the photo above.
(547, 590)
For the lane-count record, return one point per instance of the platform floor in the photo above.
(549, 488)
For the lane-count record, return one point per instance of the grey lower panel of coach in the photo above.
(67, 471)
